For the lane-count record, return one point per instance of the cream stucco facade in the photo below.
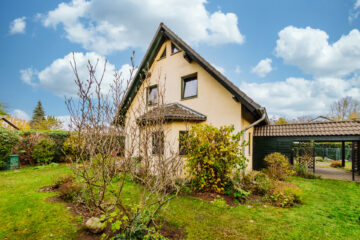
(212, 100)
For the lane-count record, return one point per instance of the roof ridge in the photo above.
(313, 123)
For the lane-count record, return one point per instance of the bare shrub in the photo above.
(102, 162)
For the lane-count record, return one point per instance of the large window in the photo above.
(158, 142)
(189, 87)
(152, 95)
(182, 143)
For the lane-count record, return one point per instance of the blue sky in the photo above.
(293, 57)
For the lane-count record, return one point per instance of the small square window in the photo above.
(152, 95)
(158, 142)
(163, 55)
(189, 87)
(174, 48)
(182, 142)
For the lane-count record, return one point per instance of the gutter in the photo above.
(262, 109)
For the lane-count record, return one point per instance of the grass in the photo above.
(25, 213)
(330, 211)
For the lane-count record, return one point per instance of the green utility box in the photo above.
(12, 162)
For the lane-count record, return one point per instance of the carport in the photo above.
(281, 138)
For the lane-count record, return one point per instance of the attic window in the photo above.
(189, 86)
(174, 48)
(163, 55)
(152, 95)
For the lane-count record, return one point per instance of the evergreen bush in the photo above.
(8, 140)
(212, 153)
(44, 151)
(278, 166)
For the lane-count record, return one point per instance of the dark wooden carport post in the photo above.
(353, 161)
(343, 154)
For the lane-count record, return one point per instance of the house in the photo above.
(176, 82)
(3, 118)
(320, 119)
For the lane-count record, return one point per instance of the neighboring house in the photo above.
(320, 119)
(3, 118)
(192, 91)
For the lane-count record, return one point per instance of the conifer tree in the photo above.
(38, 114)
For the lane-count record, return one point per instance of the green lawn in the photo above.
(331, 211)
(25, 213)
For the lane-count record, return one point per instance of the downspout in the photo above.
(262, 109)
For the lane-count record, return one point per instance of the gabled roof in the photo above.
(163, 33)
(172, 112)
(334, 128)
(320, 119)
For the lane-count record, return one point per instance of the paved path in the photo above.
(335, 173)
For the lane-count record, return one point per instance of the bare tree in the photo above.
(102, 161)
(345, 109)
(302, 119)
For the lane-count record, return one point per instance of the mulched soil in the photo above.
(48, 189)
(166, 229)
(77, 210)
(252, 199)
(170, 231)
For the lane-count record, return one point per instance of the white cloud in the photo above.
(21, 114)
(309, 49)
(18, 25)
(66, 122)
(105, 26)
(263, 67)
(59, 77)
(27, 75)
(238, 69)
(357, 4)
(298, 96)
(219, 68)
(354, 13)
(334, 69)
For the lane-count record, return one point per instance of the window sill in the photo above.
(187, 98)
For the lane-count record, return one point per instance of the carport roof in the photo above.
(335, 128)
